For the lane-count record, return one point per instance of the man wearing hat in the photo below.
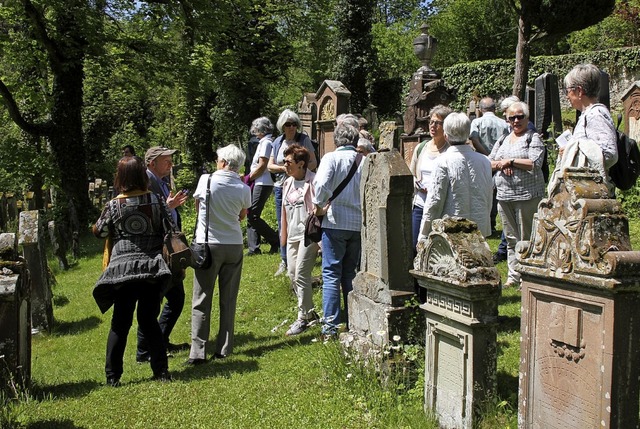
(159, 165)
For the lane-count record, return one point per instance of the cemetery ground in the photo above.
(270, 380)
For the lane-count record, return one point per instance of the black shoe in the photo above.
(145, 358)
(254, 252)
(275, 248)
(113, 381)
(177, 347)
(195, 362)
(219, 356)
(164, 376)
(499, 257)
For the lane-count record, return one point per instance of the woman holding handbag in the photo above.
(297, 194)
(136, 274)
(222, 200)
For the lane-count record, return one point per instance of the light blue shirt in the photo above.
(345, 212)
(488, 129)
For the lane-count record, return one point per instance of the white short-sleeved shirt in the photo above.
(296, 211)
(263, 151)
(228, 196)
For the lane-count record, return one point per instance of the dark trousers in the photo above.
(147, 295)
(256, 226)
(168, 319)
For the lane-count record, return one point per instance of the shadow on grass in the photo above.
(76, 327)
(55, 423)
(508, 299)
(67, 390)
(508, 388)
(60, 300)
(256, 347)
(216, 368)
(508, 323)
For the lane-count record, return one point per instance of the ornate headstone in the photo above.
(463, 287)
(631, 104)
(32, 239)
(377, 308)
(15, 325)
(332, 99)
(580, 330)
(307, 111)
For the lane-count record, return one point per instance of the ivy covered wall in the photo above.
(495, 77)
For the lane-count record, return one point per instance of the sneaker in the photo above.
(499, 257)
(113, 382)
(298, 327)
(282, 269)
(511, 283)
(312, 318)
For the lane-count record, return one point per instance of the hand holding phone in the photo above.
(185, 191)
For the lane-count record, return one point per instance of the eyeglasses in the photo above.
(436, 123)
(514, 117)
(290, 124)
(569, 88)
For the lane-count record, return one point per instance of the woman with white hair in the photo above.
(582, 85)
(517, 160)
(289, 125)
(229, 199)
(460, 181)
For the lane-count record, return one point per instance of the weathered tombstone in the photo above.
(59, 249)
(12, 209)
(426, 90)
(580, 330)
(388, 136)
(307, 111)
(463, 287)
(547, 104)
(15, 325)
(4, 216)
(31, 238)
(377, 309)
(332, 99)
(631, 105)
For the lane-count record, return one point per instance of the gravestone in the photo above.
(455, 267)
(388, 136)
(547, 107)
(377, 309)
(15, 325)
(332, 99)
(32, 239)
(580, 333)
(308, 113)
(631, 105)
(4, 215)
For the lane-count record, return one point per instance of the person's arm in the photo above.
(284, 225)
(101, 228)
(262, 166)
(436, 197)
(478, 146)
(243, 214)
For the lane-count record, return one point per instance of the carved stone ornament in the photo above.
(456, 252)
(328, 111)
(579, 233)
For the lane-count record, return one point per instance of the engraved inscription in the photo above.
(450, 370)
(449, 303)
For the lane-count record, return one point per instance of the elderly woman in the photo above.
(297, 204)
(460, 180)
(582, 85)
(517, 161)
(422, 163)
(135, 221)
(289, 125)
(341, 225)
(262, 187)
(229, 199)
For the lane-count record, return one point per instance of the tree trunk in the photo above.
(523, 54)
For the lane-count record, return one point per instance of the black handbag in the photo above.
(313, 223)
(200, 254)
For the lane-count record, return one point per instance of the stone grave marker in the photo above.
(547, 109)
(32, 239)
(631, 104)
(388, 136)
(15, 321)
(332, 99)
(381, 288)
(455, 266)
(580, 330)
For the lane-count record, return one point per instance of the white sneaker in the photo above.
(282, 269)
(298, 327)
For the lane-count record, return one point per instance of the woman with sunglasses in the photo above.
(289, 125)
(517, 160)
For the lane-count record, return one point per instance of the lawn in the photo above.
(270, 380)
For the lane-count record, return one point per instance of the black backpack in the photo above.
(625, 172)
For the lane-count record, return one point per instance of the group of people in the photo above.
(466, 169)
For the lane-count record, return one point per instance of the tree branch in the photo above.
(41, 35)
(16, 115)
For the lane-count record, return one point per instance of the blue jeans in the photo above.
(416, 219)
(340, 259)
(277, 190)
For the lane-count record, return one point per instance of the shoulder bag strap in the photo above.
(352, 172)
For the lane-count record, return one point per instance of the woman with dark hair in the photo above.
(135, 221)
(297, 195)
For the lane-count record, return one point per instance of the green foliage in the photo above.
(621, 28)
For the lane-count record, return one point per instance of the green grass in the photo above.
(269, 381)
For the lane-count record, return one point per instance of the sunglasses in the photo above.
(514, 117)
(290, 124)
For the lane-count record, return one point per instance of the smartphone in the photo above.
(185, 191)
